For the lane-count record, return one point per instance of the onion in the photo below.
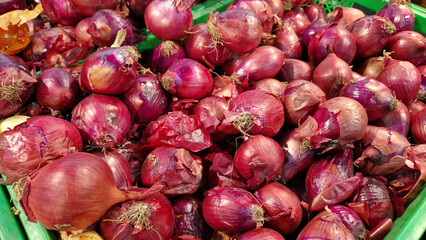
(187, 78)
(88, 8)
(10, 5)
(81, 32)
(57, 89)
(277, 7)
(402, 77)
(314, 12)
(301, 99)
(111, 77)
(416, 159)
(189, 218)
(61, 12)
(231, 65)
(35, 143)
(227, 87)
(148, 218)
(351, 220)
(403, 180)
(309, 31)
(288, 41)
(199, 46)
(418, 127)
(230, 29)
(297, 19)
(383, 153)
(272, 86)
(119, 167)
(372, 67)
(371, 34)
(415, 107)
(210, 111)
(350, 15)
(408, 46)
(421, 95)
(399, 13)
(223, 172)
(165, 55)
(261, 8)
(260, 233)
(169, 19)
(253, 112)
(290, 4)
(138, 6)
(146, 99)
(177, 169)
(259, 159)
(232, 210)
(185, 105)
(102, 120)
(73, 192)
(282, 207)
(295, 69)
(397, 120)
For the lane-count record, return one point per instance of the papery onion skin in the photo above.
(110, 70)
(295, 69)
(119, 167)
(165, 55)
(223, 172)
(416, 160)
(397, 120)
(259, 159)
(277, 7)
(261, 233)
(408, 46)
(272, 86)
(232, 210)
(371, 67)
(210, 111)
(155, 216)
(418, 127)
(403, 180)
(10, 5)
(189, 218)
(297, 19)
(169, 19)
(351, 220)
(399, 13)
(88, 8)
(260, 8)
(282, 207)
(62, 12)
(350, 15)
(227, 87)
(288, 42)
(102, 120)
(82, 34)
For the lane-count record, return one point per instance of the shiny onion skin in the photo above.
(211, 112)
(371, 34)
(288, 42)
(119, 167)
(402, 77)
(189, 218)
(277, 7)
(301, 99)
(295, 69)
(169, 19)
(187, 78)
(230, 28)
(261, 8)
(88, 8)
(272, 86)
(374, 96)
(261, 233)
(231, 65)
(35, 143)
(282, 207)
(165, 55)
(351, 220)
(418, 127)
(350, 15)
(383, 151)
(148, 218)
(102, 120)
(57, 89)
(145, 99)
(399, 13)
(253, 112)
(372, 67)
(62, 12)
(408, 46)
(297, 19)
(232, 210)
(397, 120)
(177, 169)
(73, 192)
(314, 12)
(81, 33)
(259, 159)
(309, 31)
(415, 107)
(110, 70)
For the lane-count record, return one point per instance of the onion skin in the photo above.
(102, 120)
(88, 8)
(399, 13)
(277, 7)
(82, 34)
(351, 220)
(309, 31)
(210, 111)
(227, 87)
(418, 127)
(272, 86)
(223, 172)
(416, 159)
(260, 8)
(397, 120)
(165, 55)
(408, 46)
(350, 15)
(189, 218)
(314, 12)
(372, 67)
(295, 69)
(261, 233)
(297, 19)
(232, 210)
(61, 12)
(421, 95)
(288, 42)
(138, 6)
(415, 107)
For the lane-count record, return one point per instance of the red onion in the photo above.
(402, 77)
(146, 99)
(332, 74)
(35, 143)
(81, 32)
(61, 12)
(232, 210)
(418, 127)
(88, 8)
(403, 180)
(185, 105)
(169, 19)
(119, 167)
(383, 153)
(148, 218)
(261, 233)
(272, 86)
(295, 69)
(350, 15)
(200, 46)
(210, 111)
(104, 27)
(371, 34)
(282, 207)
(397, 120)
(372, 67)
(399, 13)
(416, 159)
(177, 169)
(10, 5)
(351, 220)
(138, 6)
(301, 99)
(230, 27)
(263, 62)
(421, 95)
(297, 19)
(261, 8)
(408, 46)
(254, 112)
(110, 70)
(259, 159)
(223, 172)
(288, 41)
(73, 192)
(102, 120)
(415, 107)
(314, 12)
(290, 4)
(187, 78)
(227, 87)
(277, 7)
(189, 218)
(342, 41)
(165, 55)
(231, 65)
(309, 31)
(57, 89)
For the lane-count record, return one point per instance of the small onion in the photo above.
(296, 19)
(314, 12)
(408, 46)
(119, 167)
(165, 55)
(415, 107)
(295, 69)
(62, 12)
(372, 67)
(210, 111)
(189, 218)
(397, 120)
(288, 42)
(262, 10)
(418, 127)
(88, 8)
(261, 233)
(350, 15)
(277, 7)
(81, 32)
(399, 13)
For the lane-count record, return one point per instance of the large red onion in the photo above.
(288, 42)
(314, 12)
(295, 69)
(81, 32)
(397, 120)
(110, 70)
(408, 46)
(88, 8)
(351, 220)
(119, 167)
(210, 111)
(309, 31)
(259, 159)
(223, 172)
(351, 14)
(272, 86)
(35, 143)
(418, 127)
(148, 218)
(399, 13)
(73, 192)
(261, 8)
(372, 67)
(254, 112)
(232, 210)
(169, 19)
(10, 5)
(102, 120)
(282, 207)
(296, 19)
(261, 233)
(62, 12)
(230, 29)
